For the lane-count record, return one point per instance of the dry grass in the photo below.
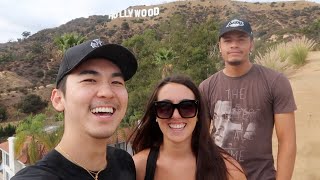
(10, 80)
(284, 57)
(275, 58)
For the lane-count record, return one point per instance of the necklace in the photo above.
(93, 174)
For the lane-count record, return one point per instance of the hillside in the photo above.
(33, 62)
(36, 57)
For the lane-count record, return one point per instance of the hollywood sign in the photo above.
(136, 13)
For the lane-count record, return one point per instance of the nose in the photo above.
(105, 91)
(176, 113)
(234, 44)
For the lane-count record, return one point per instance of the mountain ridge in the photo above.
(36, 59)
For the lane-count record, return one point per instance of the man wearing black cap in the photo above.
(245, 102)
(90, 90)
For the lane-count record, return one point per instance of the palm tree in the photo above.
(165, 57)
(68, 40)
(32, 140)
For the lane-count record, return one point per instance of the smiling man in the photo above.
(245, 102)
(90, 90)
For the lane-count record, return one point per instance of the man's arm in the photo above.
(287, 147)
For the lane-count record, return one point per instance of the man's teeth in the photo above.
(102, 110)
(177, 126)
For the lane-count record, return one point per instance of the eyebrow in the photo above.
(92, 72)
(95, 73)
(117, 74)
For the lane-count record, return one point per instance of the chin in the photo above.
(102, 135)
(180, 139)
(234, 63)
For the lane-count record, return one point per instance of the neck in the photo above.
(237, 71)
(176, 151)
(87, 152)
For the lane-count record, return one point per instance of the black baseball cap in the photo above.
(236, 25)
(115, 53)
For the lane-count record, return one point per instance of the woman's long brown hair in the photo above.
(210, 159)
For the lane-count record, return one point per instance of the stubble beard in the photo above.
(234, 63)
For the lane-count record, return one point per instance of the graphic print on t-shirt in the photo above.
(235, 127)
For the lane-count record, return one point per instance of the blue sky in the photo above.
(17, 16)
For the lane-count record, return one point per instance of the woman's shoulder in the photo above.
(140, 161)
(235, 171)
(141, 156)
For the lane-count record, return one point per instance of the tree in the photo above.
(164, 57)
(32, 139)
(25, 34)
(179, 45)
(68, 40)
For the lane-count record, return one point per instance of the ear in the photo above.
(57, 99)
(219, 46)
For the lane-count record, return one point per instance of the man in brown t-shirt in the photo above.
(245, 102)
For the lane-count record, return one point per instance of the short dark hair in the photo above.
(62, 86)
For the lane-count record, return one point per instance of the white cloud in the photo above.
(34, 15)
(9, 30)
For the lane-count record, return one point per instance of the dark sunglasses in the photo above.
(186, 109)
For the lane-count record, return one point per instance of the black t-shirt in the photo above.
(54, 166)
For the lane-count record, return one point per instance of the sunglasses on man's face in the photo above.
(186, 109)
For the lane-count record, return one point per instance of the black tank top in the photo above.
(151, 163)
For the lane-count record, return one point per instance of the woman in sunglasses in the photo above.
(172, 140)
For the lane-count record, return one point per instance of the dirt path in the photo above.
(306, 88)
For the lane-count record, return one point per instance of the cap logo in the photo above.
(235, 23)
(96, 43)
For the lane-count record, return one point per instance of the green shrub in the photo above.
(125, 26)
(299, 48)
(37, 48)
(298, 54)
(39, 73)
(32, 104)
(6, 57)
(7, 131)
(3, 113)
